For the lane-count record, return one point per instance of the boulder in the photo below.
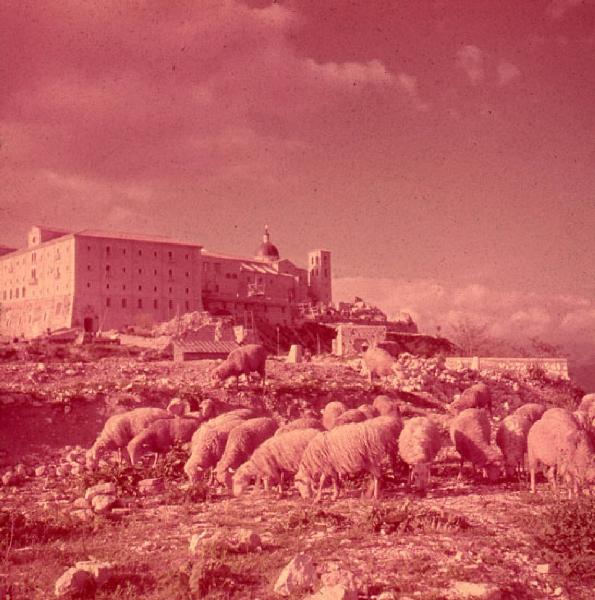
(74, 582)
(102, 503)
(298, 575)
(477, 591)
(101, 488)
(149, 487)
(101, 571)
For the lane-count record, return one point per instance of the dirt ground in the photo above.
(402, 546)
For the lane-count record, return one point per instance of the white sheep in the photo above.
(348, 450)
(531, 410)
(243, 361)
(331, 412)
(301, 423)
(378, 363)
(470, 433)
(160, 436)
(476, 396)
(120, 429)
(511, 438)
(419, 442)
(547, 443)
(241, 443)
(386, 406)
(178, 407)
(560, 414)
(577, 461)
(369, 411)
(353, 415)
(208, 442)
(277, 455)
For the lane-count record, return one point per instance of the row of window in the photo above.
(170, 254)
(108, 271)
(139, 303)
(17, 292)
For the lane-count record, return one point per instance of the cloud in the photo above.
(470, 59)
(558, 8)
(350, 73)
(507, 72)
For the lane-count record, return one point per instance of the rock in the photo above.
(295, 354)
(40, 471)
(196, 542)
(10, 478)
(100, 488)
(479, 591)
(74, 582)
(543, 568)
(299, 574)
(101, 571)
(343, 578)
(333, 592)
(246, 540)
(148, 487)
(102, 503)
(84, 514)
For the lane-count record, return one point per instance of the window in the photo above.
(154, 288)
(108, 251)
(108, 301)
(140, 252)
(155, 304)
(140, 303)
(171, 303)
(140, 288)
(326, 272)
(88, 248)
(140, 271)
(23, 292)
(88, 284)
(187, 274)
(154, 271)
(33, 257)
(124, 251)
(123, 269)
(170, 274)
(186, 257)
(124, 303)
(170, 290)
(187, 305)
(88, 267)
(124, 286)
(155, 254)
(170, 255)
(187, 291)
(107, 270)
(107, 286)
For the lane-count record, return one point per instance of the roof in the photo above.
(133, 237)
(268, 250)
(206, 347)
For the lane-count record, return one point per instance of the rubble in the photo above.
(298, 575)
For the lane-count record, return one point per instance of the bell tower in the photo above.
(319, 276)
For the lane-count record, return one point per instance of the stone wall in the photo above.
(351, 338)
(555, 367)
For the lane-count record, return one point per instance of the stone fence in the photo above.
(555, 367)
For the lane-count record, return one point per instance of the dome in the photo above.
(267, 250)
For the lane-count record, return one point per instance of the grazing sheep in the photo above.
(511, 438)
(546, 444)
(470, 433)
(386, 407)
(207, 408)
(208, 442)
(331, 413)
(419, 442)
(560, 414)
(120, 429)
(369, 411)
(303, 423)
(532, 410)
(277, 455)
(243, 361)
(353, 415)
(577, 461)
(587, 405)
(378, 363)
(348, 450)
(241, 443)
(476, 396)
(178, 407)
(160, 436)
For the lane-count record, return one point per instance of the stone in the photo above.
(478, 591)
(40, 471)
(100, 488)
(84, 514)
(9, 478)
(148, 487)
(246, 540)
(101, 571)
(102, 503)
(543, 568)
(74, 582)
(341, 577)
(295, 354)
(333, 592)
(298, 575)
(196, 540)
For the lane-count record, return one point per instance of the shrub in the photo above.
(211, 573)
(565, 534)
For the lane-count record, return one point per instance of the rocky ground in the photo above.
(148, 535)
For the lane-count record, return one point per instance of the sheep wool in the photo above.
(241, 443)
(121, 428)
(353, 415)
(476, 396)
(331, 413)
(379, 363)
(161, 435)
(386, 406)
(511, 438)
(347, 450)
(303, 423)
(369, 411)
(577, 461)
(419, 442)
(276, 455)
(243, 361)
(532, 410)
(470, 433)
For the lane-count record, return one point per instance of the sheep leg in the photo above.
(376, 486)
(335, 494)
(155, 461)
(322, 481)
(460, 475)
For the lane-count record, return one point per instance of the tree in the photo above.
(470, 336)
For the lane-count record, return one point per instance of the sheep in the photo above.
(386, 406)
(577, 461)
(511, 438)
(476, 396)
(353, 415)
(349, 449)
(587, 405)
(120, 429)
(560, 414)
(207, 408)
(241, 443)
(368, 410)
(378, 363)
(331, 412)
(419, 442)
(272, 458)
(303, 423)
(160, 436)
(243, 361)
(208, 442)
(470, 433)
(178, 407)
(532, 410)
(546, 444)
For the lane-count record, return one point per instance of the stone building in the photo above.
(103, 280)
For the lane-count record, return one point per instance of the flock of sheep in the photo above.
(244, 446)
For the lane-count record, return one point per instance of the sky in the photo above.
(444, 151)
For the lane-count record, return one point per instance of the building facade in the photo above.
(101, 280)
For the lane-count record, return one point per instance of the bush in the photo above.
(565, 534)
